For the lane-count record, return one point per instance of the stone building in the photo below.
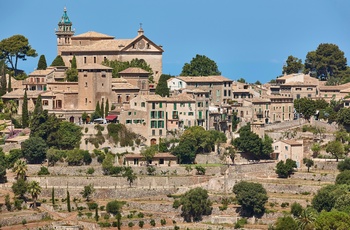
(94, 48)
(288, 149)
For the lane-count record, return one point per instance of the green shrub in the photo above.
(141, 223)
(90, 171)
(152, 222)
(43, 171)
(130, 224)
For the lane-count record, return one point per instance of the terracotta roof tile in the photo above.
(133, 70)
(92, 34)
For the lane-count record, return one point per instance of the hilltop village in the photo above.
(102, 138)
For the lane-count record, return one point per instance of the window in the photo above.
(160, 124)
(160, 114)
(85, 75)
(103, 75)
(94, 59)
(160, 132)
(298, 96)
(160, 105)
(153, 125)
(128, 121)
(104, 59)
(129, 113)
(135, 104)
(153, 132)
(276, 147)
(225, 93)
(45, 102)
(190, 113)
(84, 60)
(143, 104)
(153, 114)
(286, 147)
(153, 105)
(85, 84)
(309, 95)
(85, 101)
(174, 106)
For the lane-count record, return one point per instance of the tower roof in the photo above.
(65, 18)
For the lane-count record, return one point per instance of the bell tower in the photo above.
(64, 33)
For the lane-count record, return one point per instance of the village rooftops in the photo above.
(291, 142)
(92, 35)
(200, 79)
(133, 70)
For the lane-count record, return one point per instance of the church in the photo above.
(69, 100)
(94, 47)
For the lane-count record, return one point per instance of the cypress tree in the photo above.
(98, 109)
(107, 108)
(58, 61)
(25, 115)
(96, 214)
(9, 87)
(102, 110)
(68, 202)
(42, 65)
(53, 195)
(74, 63)
(38, 106)
(3, 83)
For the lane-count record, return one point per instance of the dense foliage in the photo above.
(197, 140)
(284, 170)
(250, 142)
(293, 65)
(200, 66)
(119, 66)
(194, 204)
(16, 48)
(162, 86)
(58, 61)
(252, 198)
(42, 65)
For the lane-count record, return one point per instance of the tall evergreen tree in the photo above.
(102, 109)
(58, 61)
(107, 108)
(74, 63)
(68, 202)
(38, 106)
(53, 195)
(42, 65)
(98, 109)
(25, 115)
(3, 83)
(162, 86)
(9, 87)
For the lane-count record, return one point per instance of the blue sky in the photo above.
(249, 39)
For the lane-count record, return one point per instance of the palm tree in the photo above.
(11, 107)
(20, 168)
(306, 219)
(34, 189)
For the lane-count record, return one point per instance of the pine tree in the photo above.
(3, 83)
(42, 65)
(53, 195)
(107, 108)
(102, 110)
(25, 115)
(68, 202)
(9, 87)
(58, 61)
(74, 63)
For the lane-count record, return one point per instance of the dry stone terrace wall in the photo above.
(111, 193)
(147, 182)
(81, 170)
(18, 219)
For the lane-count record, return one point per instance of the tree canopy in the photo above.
(326, 197)
(162, 86)
(252, 198)
(34, 150)
(284, 170)
(250, 142)
(306, 106)
(326, 62)
(16, 48)
(42, 65)
(58, 61)
(194, 204)
(336, 148)
(332, 220)
(200, 66)
(119, 66)
(293, 65)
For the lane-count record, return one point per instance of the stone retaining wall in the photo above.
(17, 219)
